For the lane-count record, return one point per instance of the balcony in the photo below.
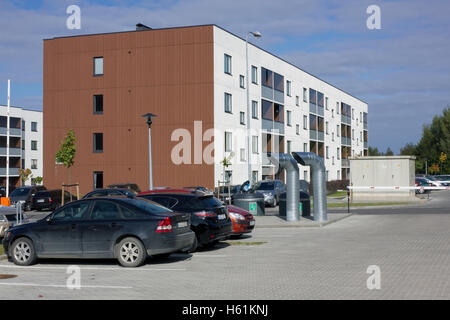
(320, 111)
(320, 135)
(346, 141)
(345, 119)
(278, 96)
(267, 92)
(312, 134)
(13, 172)
(13, 152)
(365, 126)
(345, 163)
(312, 108)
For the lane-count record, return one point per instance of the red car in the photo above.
(243, 221)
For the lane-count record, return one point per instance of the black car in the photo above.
(130, 186)
(109, 192)
(128, 229)
(209, 216)
(3, 190)
(26, 195)
(51, 199)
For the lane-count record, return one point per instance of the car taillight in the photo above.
(50, 200)
(204, 214)
(164, 226)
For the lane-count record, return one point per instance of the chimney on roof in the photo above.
(141, 27)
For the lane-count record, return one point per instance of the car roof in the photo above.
(186, 192)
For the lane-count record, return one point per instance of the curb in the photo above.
(318, 225)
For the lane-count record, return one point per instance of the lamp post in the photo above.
(149, 123)
(256, 34)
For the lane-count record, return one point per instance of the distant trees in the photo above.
(376, 152)
(434, 146)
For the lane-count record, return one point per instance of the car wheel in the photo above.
(131, 252)
(22, 252)
(194, 245)
(421, 191)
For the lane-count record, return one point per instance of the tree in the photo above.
(24, 175)
(66, 153)
(434, 169)
(373, 151)
(389, 152)
(38, 180)
(408, 150)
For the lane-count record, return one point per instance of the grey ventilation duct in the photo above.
(142, 27)
(286, 161)
(318, 180)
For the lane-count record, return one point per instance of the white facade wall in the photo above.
(227, 43)
(28, 135)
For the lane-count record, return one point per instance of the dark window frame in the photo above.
(95, 147)
(96, 104)
(103, 67)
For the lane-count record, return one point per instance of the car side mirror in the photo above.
(49, 219)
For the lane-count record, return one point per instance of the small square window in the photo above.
(98, 66)
(33, 145)
(34, 126)
(242, 117)
(242, 81)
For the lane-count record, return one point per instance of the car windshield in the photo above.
(42, 194)
(19, 192)
(265, 186)
(147, 205)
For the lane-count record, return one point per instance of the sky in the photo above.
(401, 70)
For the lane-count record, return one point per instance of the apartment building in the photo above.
(25, 144)
(194, 79)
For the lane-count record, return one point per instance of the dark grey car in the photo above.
(271, 189)
(26, 195)
(128, 229)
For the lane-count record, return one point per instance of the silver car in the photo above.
(271, 189)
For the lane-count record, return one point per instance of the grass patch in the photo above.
(365, 204)
(245, 243)
(338, 194)
(2, 252)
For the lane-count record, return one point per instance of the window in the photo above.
(255, 109)
(98, 66)
(288, 146)
(228, 141)
(278, 82)
(332, 113)
(98, 142)
(33, 163)
(105, 210)
(305, 122)
(242, 81)
(339, 175)
(254, 75)
(338, 151)
(297, 101)
(305, 175)
(227, 102)
(353, 114)
(305, 147)
(254, 144)
(23, 144)
(305, 95)
(76, 211)
(227, 64)
(332, 160)
(326, 152)
(23, 125)
(34, 126)
(297, 129)
(98, 179)
(360, 117)
(332, 136)
(242, 153)
(288, 88)
(228, 174)
(33, 145)
(98, 103)
(353, 134)
(337, 107)
(326, 128)
(242, 117)
(288, 116)
(266, 78)
(255, 176)
(338, 130)
(326, 103)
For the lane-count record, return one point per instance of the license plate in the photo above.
(40, 200)
(252, 223)
(222, 216)
(182, 224)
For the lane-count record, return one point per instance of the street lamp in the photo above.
(149, 123)
(256, 34)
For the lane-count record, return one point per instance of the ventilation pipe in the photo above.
(318, 180)
(286, 161)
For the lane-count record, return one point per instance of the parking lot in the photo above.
(410, 245)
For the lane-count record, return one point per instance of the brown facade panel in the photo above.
(165, 72)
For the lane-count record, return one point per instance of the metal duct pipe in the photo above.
(287, 162)
(319, 182)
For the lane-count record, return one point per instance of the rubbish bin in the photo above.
(304, 204)
(250, 201)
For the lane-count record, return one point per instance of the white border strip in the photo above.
(396, 188)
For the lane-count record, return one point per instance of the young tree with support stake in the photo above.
(66, 153)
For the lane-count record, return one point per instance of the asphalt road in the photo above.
(409, 246)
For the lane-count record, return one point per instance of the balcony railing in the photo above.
(346, 141)
(12, 172)
(312, 108)
(345, 119)
(345, 163)
(313, 134)
(14, 152)
(12, 131)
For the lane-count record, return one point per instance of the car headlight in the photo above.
(3, 218)
(236, 216)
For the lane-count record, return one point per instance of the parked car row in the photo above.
(116, 223)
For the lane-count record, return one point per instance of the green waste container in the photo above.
(304, 204)
(250, 201)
